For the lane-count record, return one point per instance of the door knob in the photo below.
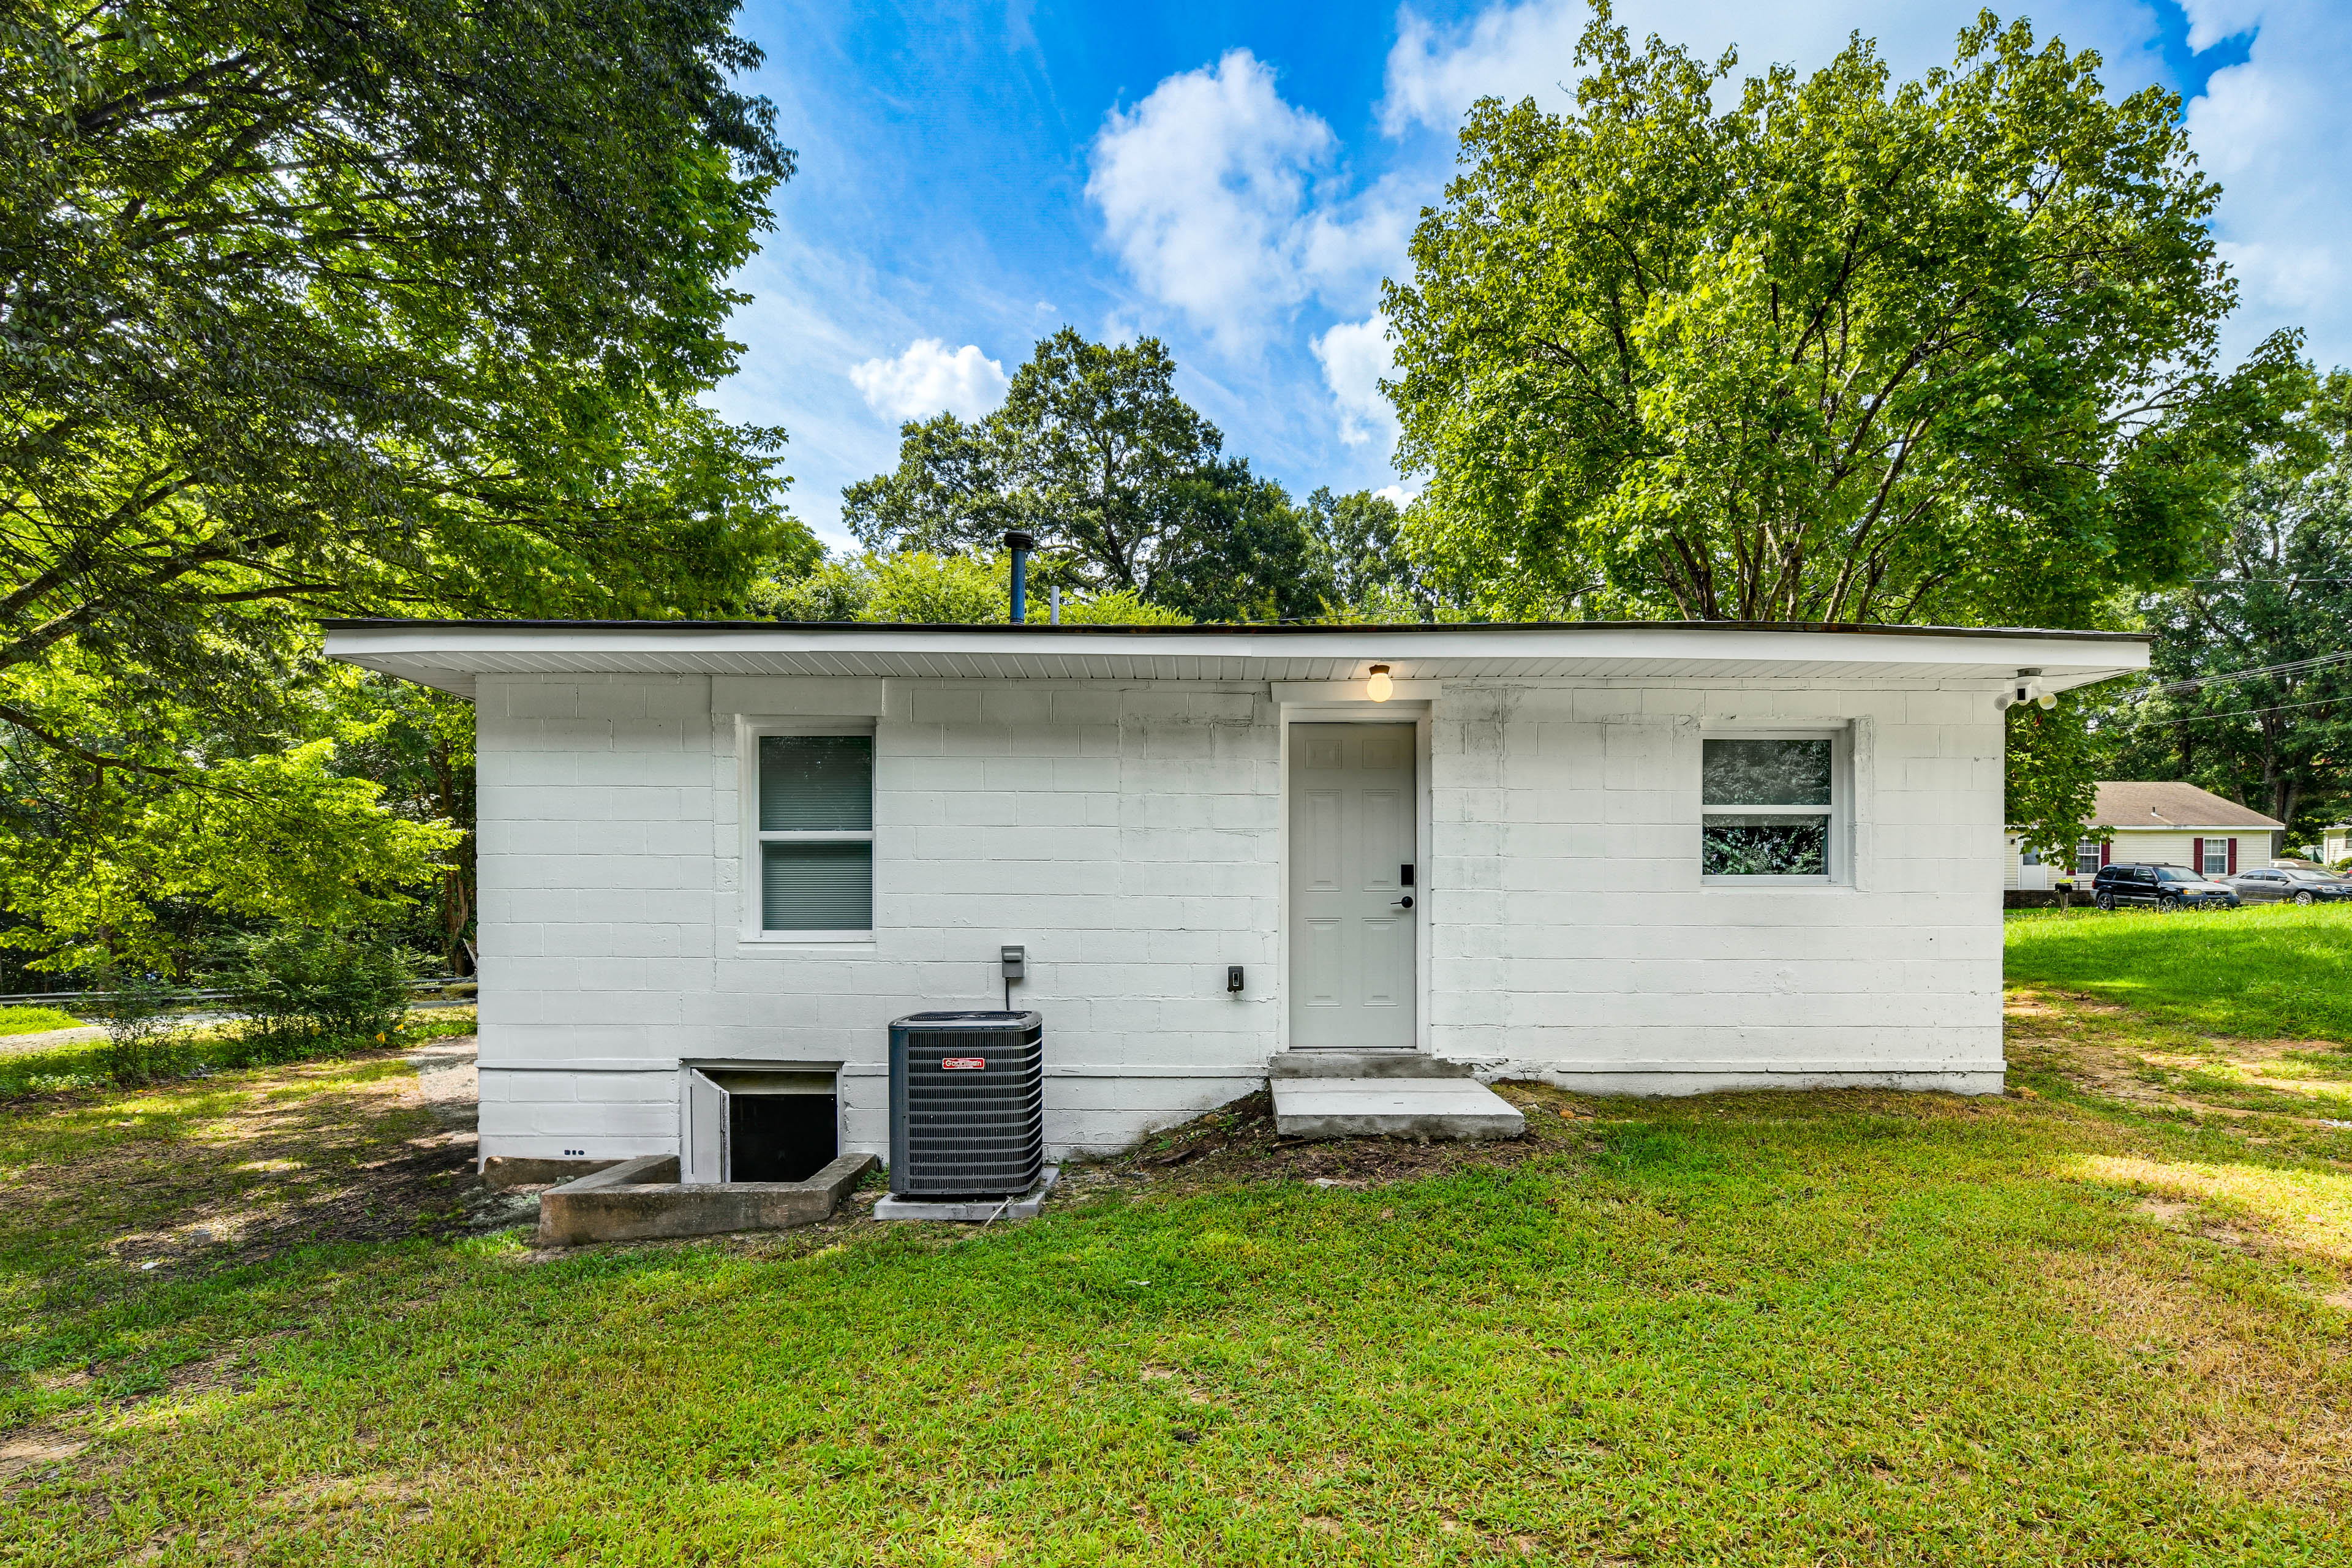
(1403, 903)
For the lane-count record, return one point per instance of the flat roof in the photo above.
(449, 654)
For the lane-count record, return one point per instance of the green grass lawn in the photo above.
(2271, 970)
(35, 1020)
(2066, 1327)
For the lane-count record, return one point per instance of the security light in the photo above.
(1379, 688)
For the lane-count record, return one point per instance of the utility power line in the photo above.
(2139, 719)
(2291, 667)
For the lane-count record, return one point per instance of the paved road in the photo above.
(41, 1040)
(15, 1044)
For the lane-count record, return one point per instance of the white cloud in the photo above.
(2210, 21)
(1397, 496)
(1355, 355)
(2273, 132)
(1207, 188)
(928, 379)
(1528, 50)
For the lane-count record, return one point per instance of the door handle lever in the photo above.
(1403, 903)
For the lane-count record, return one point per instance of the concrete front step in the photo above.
(1361, 1064)
(1396, 1107)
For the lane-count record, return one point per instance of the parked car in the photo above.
(2159, 887)
(2281, 883)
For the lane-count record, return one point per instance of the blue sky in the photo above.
(1237, 179)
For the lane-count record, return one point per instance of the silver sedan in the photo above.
(2282, 884)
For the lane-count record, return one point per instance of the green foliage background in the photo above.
(382, 307)
(1845, 349)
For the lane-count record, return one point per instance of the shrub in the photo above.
(140, 1045)
(304, 986)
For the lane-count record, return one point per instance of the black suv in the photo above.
(2161, 887)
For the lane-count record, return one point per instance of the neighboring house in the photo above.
(2160, 823)
(1650, 858)
(2335, 843)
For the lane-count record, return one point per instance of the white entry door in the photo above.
(1352, 885)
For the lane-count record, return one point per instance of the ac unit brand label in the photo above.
(962, 1064)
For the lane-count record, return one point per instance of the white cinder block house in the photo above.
(1662, 857)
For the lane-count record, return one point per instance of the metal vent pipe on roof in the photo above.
(1019, 543)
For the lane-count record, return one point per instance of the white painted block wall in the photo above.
(1129, 835)
(1573, 939)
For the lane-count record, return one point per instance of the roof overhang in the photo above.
(449, 655)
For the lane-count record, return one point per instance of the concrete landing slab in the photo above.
(1396, 1107)
(973, 1211)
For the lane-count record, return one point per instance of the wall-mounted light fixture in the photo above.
(1379, 688)
(2026, 688)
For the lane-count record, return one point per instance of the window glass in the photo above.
(1733, 846)
(1766, 808)
(1766, 773)
(2217, 857)
(816, 886)
(816, 782)
(2174, 874)
(815, 831)
(2086, 859)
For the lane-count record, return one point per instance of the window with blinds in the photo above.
(816, 833)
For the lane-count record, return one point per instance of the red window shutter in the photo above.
(2107, 852)
(2197, 855)
(2233, 856)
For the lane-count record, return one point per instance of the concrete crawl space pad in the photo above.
(643, 1200)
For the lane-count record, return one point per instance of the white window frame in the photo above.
(2207, 868)
(746, 797)
(2087, 857)
(1840, 810)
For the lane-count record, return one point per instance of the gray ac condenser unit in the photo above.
(966, 1104)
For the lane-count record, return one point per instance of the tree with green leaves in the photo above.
(1358, 538)
(916, 587)
(417, 745)
(2253, 659)
(1840, 349)
(2050, 780)
(379, 308)
(1120, 481)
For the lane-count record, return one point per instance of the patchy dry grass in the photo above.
(2302, 1208)
(144, 1232)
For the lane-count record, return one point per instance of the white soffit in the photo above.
(448, 655)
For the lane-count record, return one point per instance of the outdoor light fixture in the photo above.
(1379, 688)
(2025, 689)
